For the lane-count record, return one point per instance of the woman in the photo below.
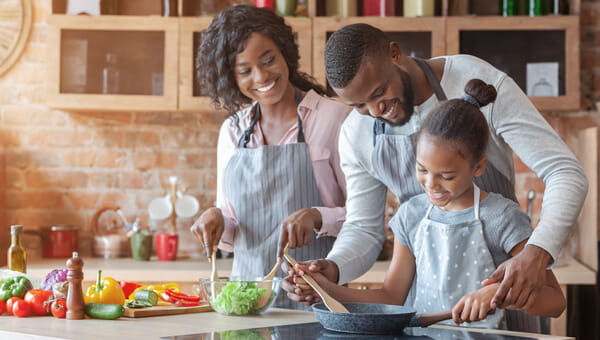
(278, 175)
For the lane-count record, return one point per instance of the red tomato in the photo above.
(37, 299)
(2, 306)
(10, 302)
(21, 308)
(59, 308)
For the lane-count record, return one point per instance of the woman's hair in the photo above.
(346, 48)
(460, 122)
(225, 38)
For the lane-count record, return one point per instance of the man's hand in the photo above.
(297, 229)
(520, 277)
(208, 229)
(298, 290)
(474, 306)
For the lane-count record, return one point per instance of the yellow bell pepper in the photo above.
(159, 289)
(106, 290)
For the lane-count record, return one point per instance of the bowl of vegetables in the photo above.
(239, 297)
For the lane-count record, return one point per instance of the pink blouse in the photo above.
(321, 121)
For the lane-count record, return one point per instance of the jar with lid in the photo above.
(110, 75)
(17, 257)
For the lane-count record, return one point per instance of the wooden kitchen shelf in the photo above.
(146, 60)
(190, 95)
(150, 47)
(510, 43)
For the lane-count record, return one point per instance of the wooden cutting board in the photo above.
(164, 310)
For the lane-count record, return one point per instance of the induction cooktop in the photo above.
(310, 331)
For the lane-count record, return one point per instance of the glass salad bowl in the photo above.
(239, 297)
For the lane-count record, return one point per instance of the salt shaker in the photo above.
(75, 304)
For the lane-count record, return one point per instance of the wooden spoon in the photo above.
(331, 303)
(273, 271)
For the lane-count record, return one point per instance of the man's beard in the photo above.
(406, 105)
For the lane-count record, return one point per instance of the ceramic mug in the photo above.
(141, 246)
(166, 246)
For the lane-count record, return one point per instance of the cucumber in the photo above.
(106, 311)
(146, 295)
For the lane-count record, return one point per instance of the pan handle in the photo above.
(425, 320)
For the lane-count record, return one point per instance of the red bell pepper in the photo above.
(128, 287)
(182, 296)
(180, 299)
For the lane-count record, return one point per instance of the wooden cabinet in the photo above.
(155, 55)
(540, 53)
(113, 63)
(421, 37)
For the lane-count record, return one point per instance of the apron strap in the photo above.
(245, 137)
(476, 196)
(379, 124)
(432, 79)
(428, 210)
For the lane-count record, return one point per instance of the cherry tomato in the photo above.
(2, 306)
(10, 302)
(21, 308)
(37, 299)
(59, 308)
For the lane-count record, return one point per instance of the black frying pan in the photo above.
(371, 318)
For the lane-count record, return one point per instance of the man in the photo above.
(391, 93)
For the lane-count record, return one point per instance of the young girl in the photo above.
(451, 238)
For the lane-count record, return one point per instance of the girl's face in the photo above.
(445, 174)
(261, 72)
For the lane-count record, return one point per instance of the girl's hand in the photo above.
(208, 229)
(297, 229)
(474, 306)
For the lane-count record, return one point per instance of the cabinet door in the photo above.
(113, 63)
(419, 37)
(540, 53)
(191, 97)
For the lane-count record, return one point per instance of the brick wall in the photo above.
(60, 167)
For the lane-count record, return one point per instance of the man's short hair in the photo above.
(347, 47)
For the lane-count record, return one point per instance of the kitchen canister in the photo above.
(419, 8)
(286, 8)
(341, 8)
(379, 8)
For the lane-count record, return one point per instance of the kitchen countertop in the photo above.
(50, 328)
(190, 270)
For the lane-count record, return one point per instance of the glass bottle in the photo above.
(17, 258)
(270, 4)
(508, 7)
(169, 8)
(341, 8)
(110, 75)
(419, 8)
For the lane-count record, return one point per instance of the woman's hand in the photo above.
(208, 229)
(474, 306)
(297, 229)
(298, 290)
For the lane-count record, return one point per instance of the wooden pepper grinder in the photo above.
(75, 304)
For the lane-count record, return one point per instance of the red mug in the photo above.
(166, 246)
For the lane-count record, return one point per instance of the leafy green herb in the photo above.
(238, 298)
(244, 334)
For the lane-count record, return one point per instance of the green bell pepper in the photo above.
(15, 286)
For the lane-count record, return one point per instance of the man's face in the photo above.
(381, 89)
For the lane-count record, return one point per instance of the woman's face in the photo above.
(445, 174)
(261, 72)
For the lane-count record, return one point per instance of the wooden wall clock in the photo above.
(15, 25)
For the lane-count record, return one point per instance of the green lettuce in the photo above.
(237, 298)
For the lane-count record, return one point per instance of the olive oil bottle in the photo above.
(17, 258)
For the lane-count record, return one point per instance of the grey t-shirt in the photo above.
(504, 223)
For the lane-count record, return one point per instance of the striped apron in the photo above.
(394, 161)
(265, 185)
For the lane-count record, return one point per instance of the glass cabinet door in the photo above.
(540, 53)
(113, 63)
